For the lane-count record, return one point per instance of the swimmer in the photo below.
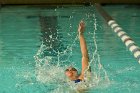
(71, 72)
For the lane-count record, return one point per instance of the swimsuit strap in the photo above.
(77, 80)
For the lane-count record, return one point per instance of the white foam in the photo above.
(50, 74)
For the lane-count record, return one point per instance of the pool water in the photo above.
(37, 43)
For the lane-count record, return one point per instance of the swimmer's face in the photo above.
(70, 72)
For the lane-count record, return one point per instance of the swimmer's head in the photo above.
(71, 72)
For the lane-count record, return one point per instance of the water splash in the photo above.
(99, 74)
(47, 72)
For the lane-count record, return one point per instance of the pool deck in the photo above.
(57, 2)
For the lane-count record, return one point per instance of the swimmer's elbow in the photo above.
(85, 56)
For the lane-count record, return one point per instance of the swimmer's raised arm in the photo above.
(84, 51)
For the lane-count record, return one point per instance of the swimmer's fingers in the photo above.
(81, 26)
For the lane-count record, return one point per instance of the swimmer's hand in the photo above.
(81, 27)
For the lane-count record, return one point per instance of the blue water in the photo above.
(23, 29)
